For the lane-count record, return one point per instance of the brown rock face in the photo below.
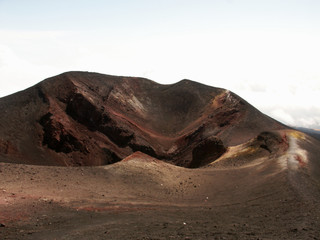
(81, 118)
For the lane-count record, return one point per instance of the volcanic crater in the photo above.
(92, 156)
(91, 119)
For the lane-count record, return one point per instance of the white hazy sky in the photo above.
(266, 51)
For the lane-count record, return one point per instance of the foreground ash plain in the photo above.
(262, 185)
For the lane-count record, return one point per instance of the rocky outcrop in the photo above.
(57, 138)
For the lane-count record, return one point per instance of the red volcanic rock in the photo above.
(81, 118)
(141, 157)
(6, 147)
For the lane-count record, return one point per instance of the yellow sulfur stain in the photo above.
(297, 134)
(236, 151)
(245, 151)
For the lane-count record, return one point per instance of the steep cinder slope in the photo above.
(81, 118)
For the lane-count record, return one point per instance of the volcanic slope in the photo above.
(188, 162)
(82, 118)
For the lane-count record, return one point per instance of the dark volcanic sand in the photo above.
(143, 198)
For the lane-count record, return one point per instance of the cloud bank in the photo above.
(266, 52)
